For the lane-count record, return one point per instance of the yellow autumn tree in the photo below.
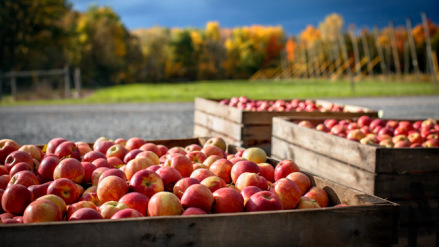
(331, 27)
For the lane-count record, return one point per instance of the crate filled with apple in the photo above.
(397, 159)
(171, 192)
(247, 122)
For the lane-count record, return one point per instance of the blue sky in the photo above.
(293, 15)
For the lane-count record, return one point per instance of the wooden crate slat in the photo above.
(212, 106)
(218, 124)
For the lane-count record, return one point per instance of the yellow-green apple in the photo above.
(103, 146)
(151, 147)
(26, 178)
(115, 162)
(182, 184)
(287, 191)
(180, 162)
(67, 149)
(15, 199)
(386, 143)
(86, 214)
(127, 213)
(4, 181)
(216, 141)
(369, 139)
(364, 121)
(116, 150)
(53, 144)
(284, 168)
(33, 150)
(302, 180)
(20, 166)
(69, 168)
(196, 156)
(193, 147)
(202, 173)
(78, 205)
(431, 143)
(39, 190)
(134, 143)
(136, 165)
(46, 168)
(243, 166)
(267, 171)
(306, 202)
(209, 160)
(398, 138)
(83, 147)
(248, 191)
(137, 201)
(227, 200)
(319, 195)
(108, 209)
(222, 168)
(193, 211)
(150, 155)
(164, 203)
(16, 157)
(169, 176)
(146, 182)
(88, 171)
(93, 155)
(163, 149)
(111, 188)
(249, 179)
(62, 206)
(101, 162)
(64, 188)
(198, 195)
(41, 210)
(263, 201)
(112, 172)
(209, 150)
(213, 183)
(96, 174)
(255, 154)
(7, 146)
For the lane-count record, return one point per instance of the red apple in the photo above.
(64, 188)
(227, 200)
(150, 155)
(179, 150)
(284, 168)
(88, 171)
(41, 210)
(101, 162)
(46, 168)
(108, 209)
(131, 155)
(86, 214)
(16, 157)
(4, 180)
(134, 143)
(53, 144)
(306, 124)
(197, 195)
(15, 199)
(137, 201)
(248, 191)
(243, 166)
(355, 134)
(67, 149)
(364, 121)
(116, 150)
(33, 150)
(209, 161)
(146, 182)
(306, 202)
(263, 201)
(69, 168)
(62, 206)
(93, 155)
(152, 147)
(83, 147)
(20, 166)
(127, 213)
(115, 162)
(170, 176)
(213, 150)
(25, 178)
(431, 143)
(112, 172)
(322, 127)
(182, 163)
(319, 195)
(92, 197)
(288, 192)
(213, 183)
(201, 174)
(302, 180)
(96, 174)
(193, 147)
(182, 184)
(7, 146)
(136, 165)
(193, 211)
(222, 168)
(329, 123)
(164, 203)
(248, 179)
(78, 205)
(39, 190)
(163, 149)
(111, 188)
(196, 156)
(103, 146)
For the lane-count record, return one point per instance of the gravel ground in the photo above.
(39, 124)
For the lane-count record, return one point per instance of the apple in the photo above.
(70, 168)
(369, 139)
(20, 166)
(222, 168)
(364, 121)
(62, 206)
(102, 146)
(193, 211)
(150, 155)
(146, 182)
(376, 122)
(41, 210)
(163, 149)
(137, 201)
(249, 179)
(216, 141)
(7, 146)
(101, 162)
(201, 174)
(338, 129)
(153, 168)
(355, 134)
(197, 195)
(329, 123)
(86, 214)
(96, 174)
(227, 200)
(322, 127)
(400, 131)
(199, 165)
(78, 205)
(134, 143)
(53, 144)
(111, 188)
(182, 184)
(93, 155)
(15, 199)
(127, 213)
(164, 203)
(248, 191)
(193, 147)
(115, 162)
(386, 143)
(92, 197)
(209, 150)
(255, 154)
(108, 209)
(302, 181)
(4, 180)
(112, 172)
(319, 195)
(177, 149)
(284, 168)
(431, 143)
(88, 171)
(213, 183)
(83, 147)
(3, 170)
(263, 201)
(39, 190)
(66, 189)
(67, 149)
(16, 157)
(131, 155)
(33, 150)
(196, 156)
(209, 161)
(116, 150)
(46, 168)
(306, 202)
(181, 163)
(243, 166)
(151, 147)
(25, 178)
(136, 165)
(306, 124)
(170, 176)
(288, 192)
(402, 144)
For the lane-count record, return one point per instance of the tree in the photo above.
(331, 27)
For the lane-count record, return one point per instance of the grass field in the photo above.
(187, 91)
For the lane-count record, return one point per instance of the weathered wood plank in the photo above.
(213, 106)
(220, 125)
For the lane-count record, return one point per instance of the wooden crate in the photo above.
(367, 221)
(248, 128)
(407, 176)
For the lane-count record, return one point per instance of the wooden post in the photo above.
(429, 50)
(305, 61)
(310, 62)
(78, 86)
(380, 52)
(367, 53)
(406, 59)
(412, 48)
(66, 82)
(347, 61)
(322, 51)
(394, 51)
(356, 53)
(13, 85)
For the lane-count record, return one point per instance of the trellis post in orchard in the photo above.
(428, 46)
(394, 50)
(367, 54)
(356, 52)
(347, 61)
(411, 42)
(380, 52)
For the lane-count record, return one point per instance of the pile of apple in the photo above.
(386, 133)
(294, 105)
(133, 178)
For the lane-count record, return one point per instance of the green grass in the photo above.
(187, 91)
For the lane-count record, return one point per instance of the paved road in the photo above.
(38, 124)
